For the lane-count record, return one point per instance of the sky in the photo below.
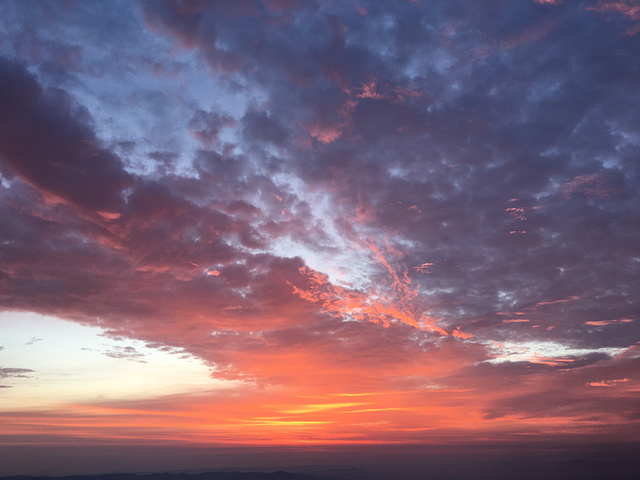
(291, 224)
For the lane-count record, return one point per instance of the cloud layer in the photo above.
(389, 222)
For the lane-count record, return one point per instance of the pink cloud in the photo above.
(325, 133)
(629, 9)
(530, 34)
(368, 90)
(549, 2)
(593, 185)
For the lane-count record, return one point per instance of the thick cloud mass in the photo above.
(339, 197)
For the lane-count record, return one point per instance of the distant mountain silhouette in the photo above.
(213, 475)
(473, 470)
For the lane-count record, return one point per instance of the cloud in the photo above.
(206, 126)
(15, 372)
(597, 185)
(549, 2)
(126, 353)
(629, 9)
(48, 143)
(300, 198)
(611, 383)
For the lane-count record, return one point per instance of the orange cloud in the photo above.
(460, 334)
(609, 383)
(377, 303)
(602, 323)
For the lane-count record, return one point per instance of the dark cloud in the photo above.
(259, 126)
(126, 353)
(206, 126)
(583, 394)
(15, 372)
(48, 141)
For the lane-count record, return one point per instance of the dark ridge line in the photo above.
(210, 475)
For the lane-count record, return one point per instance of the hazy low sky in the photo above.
(300, 223)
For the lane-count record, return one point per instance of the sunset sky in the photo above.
(271, 224)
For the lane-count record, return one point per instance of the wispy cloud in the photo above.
(15, 372)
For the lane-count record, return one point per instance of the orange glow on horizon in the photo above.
(274, 417)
